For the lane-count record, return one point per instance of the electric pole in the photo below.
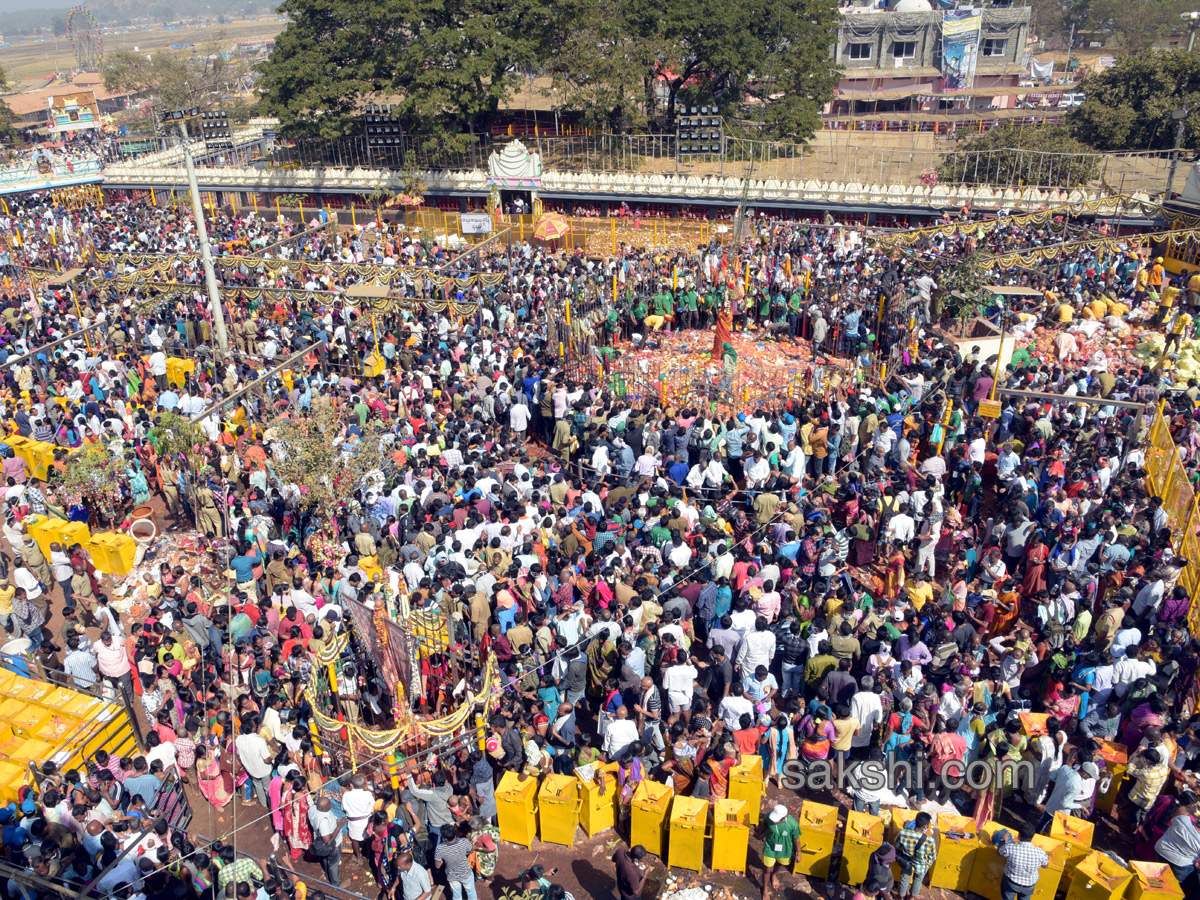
(210, 275)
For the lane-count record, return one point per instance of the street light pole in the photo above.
(1180, 117)
(210, 275)
(1193, 20)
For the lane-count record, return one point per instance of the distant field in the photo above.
(32, 59)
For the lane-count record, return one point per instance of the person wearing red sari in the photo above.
(1036, 557)
(294, 805)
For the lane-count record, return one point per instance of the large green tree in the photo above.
(449, 66)
(1129, 106)
(1044, 157)
(446, 64)
(772, 53)
(7, 131)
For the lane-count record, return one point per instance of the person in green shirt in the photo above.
(779, 845)
(794, 306)
(662, 303)
(610, 325)
(638, 313)
(764, 308)
(691, 300)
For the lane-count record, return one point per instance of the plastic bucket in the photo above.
(144, 531)
(14, 656)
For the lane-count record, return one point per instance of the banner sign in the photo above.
(960, 48)
(475, 223)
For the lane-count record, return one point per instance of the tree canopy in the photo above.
(1131, 26)
(1046, 156)
(448, 67)
(170, 80)
(1129, 106)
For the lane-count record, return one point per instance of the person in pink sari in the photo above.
(274, 797)
(1143, 716)
(296, 830)
(215, 784)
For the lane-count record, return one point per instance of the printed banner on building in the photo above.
(73, 112)
(960, 48)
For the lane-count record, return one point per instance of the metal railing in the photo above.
(60, 169)
(836, 154)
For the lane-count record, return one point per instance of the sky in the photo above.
(19, 5)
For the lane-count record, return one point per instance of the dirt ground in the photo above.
(585, 869)
(34, 58)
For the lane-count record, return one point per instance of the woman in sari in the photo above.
(990, 799)
(1063, 705)
(685, 757)
(895, 571)
(1008, 607)
(818, 733)
(1036, 556)
(862, 539)
(294, 803)
(215, 783)
(1143, 716)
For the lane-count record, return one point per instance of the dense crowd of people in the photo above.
(877, 570)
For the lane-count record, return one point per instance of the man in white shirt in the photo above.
(255, 757)
(679, 681)
(357, 804)
(731, 710)
(1130, 669)
(518, 418)
(902, 527)
(325, 824)
(158, 368)
(867, 708)
(758, 646)
(619, 733)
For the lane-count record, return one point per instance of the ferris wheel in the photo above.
(85, 38)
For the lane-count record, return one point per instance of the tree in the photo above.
(960, 294)
(449, 63)
(8, 133)
(59, 26)
(773, 54)
(1064, 20)
(169, 80)
(311, 453)
(1136, 27)
(448, 67)
(1129, 106)
(1046, 156)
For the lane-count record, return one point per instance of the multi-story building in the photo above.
(917, 58)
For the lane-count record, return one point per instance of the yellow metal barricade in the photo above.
(818, 831)
(689, 822)
(958, 841)
(864, 835)
(1051, 875)
(730, 836)
(1098, 877)
(648, 816)
(746, 783)
(1076, 836)
(515, 809)
(598, 808)
(558, 809)
(1153, 881)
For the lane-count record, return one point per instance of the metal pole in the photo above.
(210, 276)
(1175, 152)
